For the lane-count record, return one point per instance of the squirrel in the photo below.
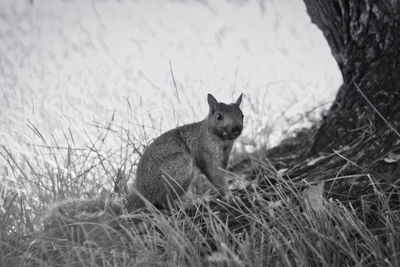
(173, 160)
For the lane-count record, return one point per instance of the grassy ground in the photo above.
(271, 221)
(59, 206)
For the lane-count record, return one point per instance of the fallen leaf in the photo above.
(391, 157)
(314, 196)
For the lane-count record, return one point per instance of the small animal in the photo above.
(173, 160)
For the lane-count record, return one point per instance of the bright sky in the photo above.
(69, 63)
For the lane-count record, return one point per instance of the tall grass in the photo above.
(272, 225)
(63, 205)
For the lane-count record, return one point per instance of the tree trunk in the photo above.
(364, 37)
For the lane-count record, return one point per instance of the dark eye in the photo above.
(219, 116)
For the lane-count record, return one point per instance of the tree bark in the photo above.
(364, 37)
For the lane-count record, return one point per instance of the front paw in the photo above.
(227, 195)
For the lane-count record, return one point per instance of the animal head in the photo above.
(225, 120)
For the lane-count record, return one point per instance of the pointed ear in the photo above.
(212, 102)
(239, 100)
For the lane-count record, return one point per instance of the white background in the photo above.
(67, 64)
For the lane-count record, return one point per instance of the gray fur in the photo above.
(173, 160)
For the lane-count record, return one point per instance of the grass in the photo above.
(58, 205)
(63, 205)
(271, 221)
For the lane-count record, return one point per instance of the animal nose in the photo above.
(237, 129)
